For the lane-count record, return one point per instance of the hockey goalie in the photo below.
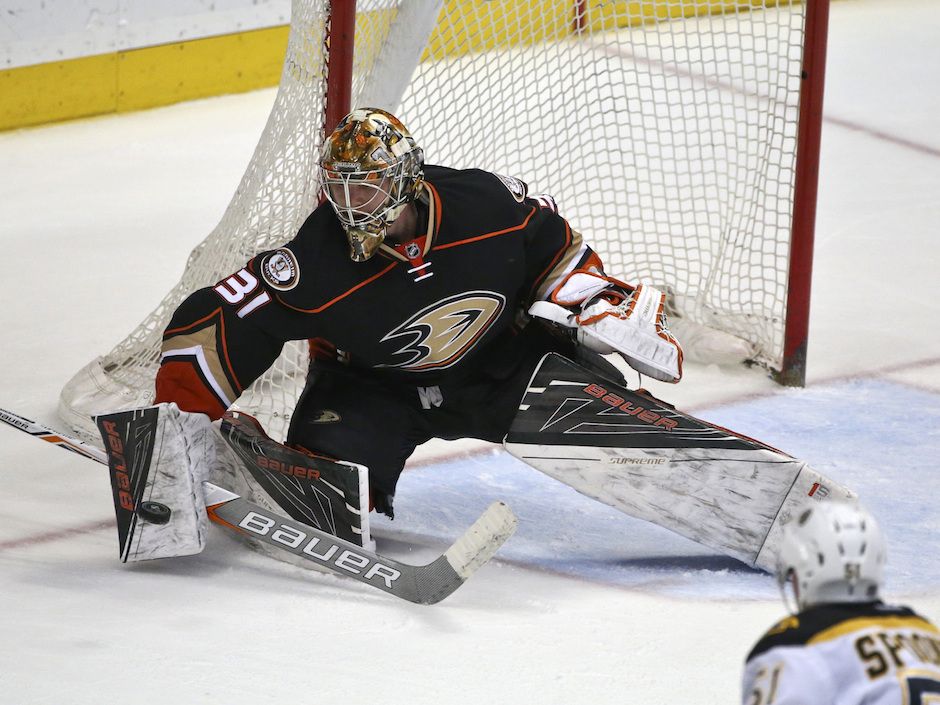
(439, 303)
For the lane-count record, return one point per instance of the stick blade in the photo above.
(465, 557)
(478, 544)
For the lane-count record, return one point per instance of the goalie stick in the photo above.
(426, 584)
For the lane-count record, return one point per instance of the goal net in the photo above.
(666, 130)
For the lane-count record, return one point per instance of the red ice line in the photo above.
(884, 136)
(49, 536)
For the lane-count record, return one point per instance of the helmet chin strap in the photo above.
(794, 584)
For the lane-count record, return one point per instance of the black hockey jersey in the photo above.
(423, 312)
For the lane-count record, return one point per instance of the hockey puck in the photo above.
(154, 512)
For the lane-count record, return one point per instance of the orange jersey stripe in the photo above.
(178, 382)
(341, 296)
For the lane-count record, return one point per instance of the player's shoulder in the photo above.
(321, 241)
(318, 232)
(477, 183)
(315, 265)
(823, 622)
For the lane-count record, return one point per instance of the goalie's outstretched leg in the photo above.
(635, 453)
(425, 584)
(160, 457)
(330, 495)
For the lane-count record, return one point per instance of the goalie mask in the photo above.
(831, 552)
(371, 168)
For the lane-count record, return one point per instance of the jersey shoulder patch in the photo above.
(516, 187)
(280, 269)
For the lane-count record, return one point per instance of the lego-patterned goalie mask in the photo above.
(371, 168)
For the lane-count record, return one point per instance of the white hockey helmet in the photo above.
(832, 551)
(371, 168)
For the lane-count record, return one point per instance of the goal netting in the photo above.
(666, 130)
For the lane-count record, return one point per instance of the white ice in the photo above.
(583, 605)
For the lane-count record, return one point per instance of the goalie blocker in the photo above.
(639, 455)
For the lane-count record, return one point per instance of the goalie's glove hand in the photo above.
(611, 316)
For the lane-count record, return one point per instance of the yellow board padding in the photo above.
(474, 26)
(605, 15)
(141, 78)
(170, 73)
(232, 63)
(61, 90)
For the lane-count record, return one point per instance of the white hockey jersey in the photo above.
(846, 654)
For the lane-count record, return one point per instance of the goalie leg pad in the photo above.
(159, 457)
(653, 462)
(330, 495)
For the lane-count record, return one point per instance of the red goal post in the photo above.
(680, 137)
(792, 371)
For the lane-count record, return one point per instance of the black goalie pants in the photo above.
(352, 414)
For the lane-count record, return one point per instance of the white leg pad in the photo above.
(184, 451)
